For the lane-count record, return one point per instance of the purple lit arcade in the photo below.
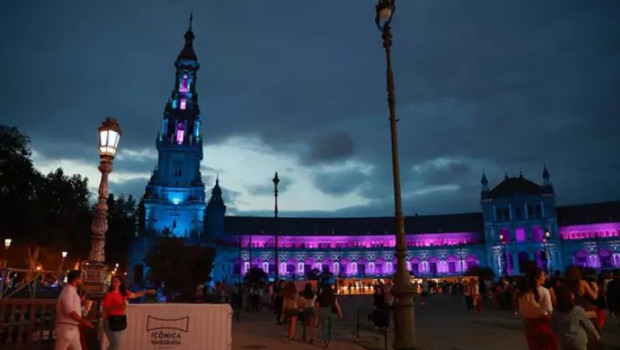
(519, 220)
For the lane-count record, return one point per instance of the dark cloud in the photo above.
(268, 188)
(505, 85)
(232, 199)
(134, 187)
(331, 147)
(339, 183)
(441, 172)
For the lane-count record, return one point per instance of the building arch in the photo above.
(453, 265)
(580, 258)
(380, 268)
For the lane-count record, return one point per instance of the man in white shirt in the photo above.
(68, 314)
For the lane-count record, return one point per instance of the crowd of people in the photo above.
(566, 312)
(559, 312)
(314, 308)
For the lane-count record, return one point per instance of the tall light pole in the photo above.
(461, 257)
(598, 251)
(276, 181)
(403, 291)
(5, 264)
(504, 266)
(62, 264)
(545, 240)
(7, 245)
(239, 296)
(250, 253)
(95, 268)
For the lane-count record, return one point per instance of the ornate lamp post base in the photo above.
(404, 320)
(94, 278)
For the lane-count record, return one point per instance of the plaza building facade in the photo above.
(518, 222)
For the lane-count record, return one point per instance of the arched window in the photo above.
(300, 267)
(336, 267)
(180, 132)
(266, 266)
(388, 267)
(184, 84)
(353, 267)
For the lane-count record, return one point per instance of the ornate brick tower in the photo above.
(174, 201)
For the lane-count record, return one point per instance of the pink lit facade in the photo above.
(448, 254)
(519, 211)
(593, 245)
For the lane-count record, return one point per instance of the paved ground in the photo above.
(441, 324)
(259, 331)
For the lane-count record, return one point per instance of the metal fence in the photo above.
(373, 320)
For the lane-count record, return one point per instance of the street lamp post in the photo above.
(239, 296)
(598, 251)
(5, 264)
(95, 268)
(504, 266)
(276, 181)
(250, 252)
(7, 245)
(62, 264)
(547, 255)
(403, 291)
(461, 257)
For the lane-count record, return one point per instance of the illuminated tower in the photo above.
(174, 201)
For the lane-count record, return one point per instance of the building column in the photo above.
(497, 262)
(491, 259)
(515, 263)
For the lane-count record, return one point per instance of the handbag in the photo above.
(117, 322)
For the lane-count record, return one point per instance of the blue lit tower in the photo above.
(174, 202)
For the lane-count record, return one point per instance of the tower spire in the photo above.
(546, 176)
(188, 50)
(484, 182)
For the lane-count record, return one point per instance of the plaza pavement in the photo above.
(441, 324)
(258, 330)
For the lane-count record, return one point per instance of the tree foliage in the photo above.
(256, 276)
(18, 180)
(182, 267)
(40, 212)
(483, 273)
(313, 274)
(122, 227)
(47, 214)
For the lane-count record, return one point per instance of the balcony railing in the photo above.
(27, 323)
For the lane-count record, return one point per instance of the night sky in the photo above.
(298, 87)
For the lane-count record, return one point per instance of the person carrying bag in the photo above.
(115, 304)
